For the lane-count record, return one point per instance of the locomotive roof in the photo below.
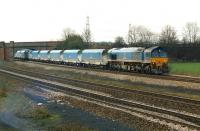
(93, 51)
(130, 49)
(153, 48)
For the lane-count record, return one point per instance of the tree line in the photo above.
(168, 35)
(182, 48)
(137, 36)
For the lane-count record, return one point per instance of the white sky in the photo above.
(38, 20)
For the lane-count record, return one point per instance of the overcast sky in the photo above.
(39, 20)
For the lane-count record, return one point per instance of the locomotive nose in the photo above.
(159, 61)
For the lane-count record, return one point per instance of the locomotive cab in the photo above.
(157, 58)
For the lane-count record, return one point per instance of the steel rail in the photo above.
(113, 88)
(130, 73)
(112, 100)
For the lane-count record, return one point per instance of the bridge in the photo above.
(7, 50)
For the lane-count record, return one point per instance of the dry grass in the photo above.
(3, 93)
(8, 84)
(40, 113)
(3, 86)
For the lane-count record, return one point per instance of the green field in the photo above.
(185, 68)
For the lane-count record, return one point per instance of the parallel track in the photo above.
(163, 77)
(114, 88)
(128, 105)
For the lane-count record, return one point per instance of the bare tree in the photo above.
(168, 35)
(67, 32)
(145, 35)
(132, 34)
(140, 34)
(191, 32)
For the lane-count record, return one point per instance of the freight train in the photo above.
(151, 60)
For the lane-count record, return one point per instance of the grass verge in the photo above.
(185, 68)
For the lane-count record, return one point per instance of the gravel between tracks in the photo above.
(146, 122)
(145, 80)
(112, 77)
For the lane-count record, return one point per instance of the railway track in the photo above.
(164, 77)
(194, 121)
(90, 84)
(171, 102)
